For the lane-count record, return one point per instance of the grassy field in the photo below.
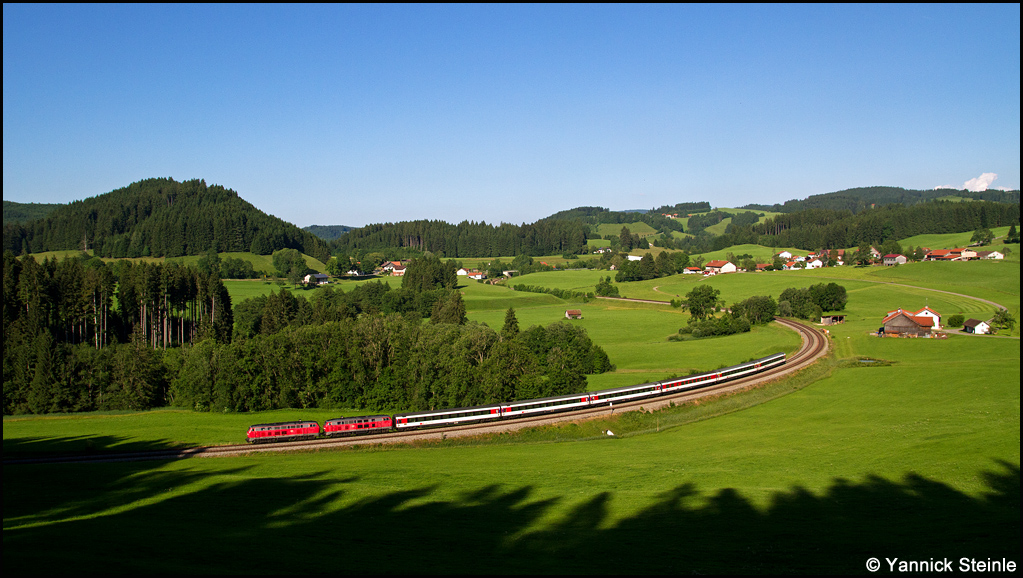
(261, 263)
(915, 456)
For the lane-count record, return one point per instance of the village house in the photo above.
(315, 279)
(718, 267)
(838, 255)
(894, 259)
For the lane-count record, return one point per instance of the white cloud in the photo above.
(981, 183)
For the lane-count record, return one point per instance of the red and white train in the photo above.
(297, 430)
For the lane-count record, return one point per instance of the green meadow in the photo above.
(913, 454)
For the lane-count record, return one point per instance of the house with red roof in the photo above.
(717, 267)
(902, 322)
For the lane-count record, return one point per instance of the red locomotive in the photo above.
(283, 431)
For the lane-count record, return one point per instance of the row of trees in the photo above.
(385, 362)
(805, 303)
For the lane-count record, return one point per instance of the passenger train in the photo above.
(299, 430)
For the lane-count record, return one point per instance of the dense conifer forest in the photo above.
(161, 218)
(862, 198)
(81, 335)
(25, 212)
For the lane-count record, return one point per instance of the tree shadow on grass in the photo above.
(64, 446)
(131, 519)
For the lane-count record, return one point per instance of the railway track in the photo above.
(814, 344)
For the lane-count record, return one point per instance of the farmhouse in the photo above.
(315, 279)
(894, 259)
(716, 267)
(903, 323)
(959, 254)
(976, 326)
(919, 323)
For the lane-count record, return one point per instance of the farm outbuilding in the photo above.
(901, 323)
(573, 314)
(832, 319)
(976, 326)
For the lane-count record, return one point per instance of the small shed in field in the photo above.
(976, 326)
(573, 314)
(832, 319)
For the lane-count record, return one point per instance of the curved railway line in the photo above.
(814, 344)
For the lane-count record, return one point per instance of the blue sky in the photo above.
(364, 114)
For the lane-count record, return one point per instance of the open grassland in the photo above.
(262, 264)
(913, 456)
(638, 228)
(953, 240)
(864, 462)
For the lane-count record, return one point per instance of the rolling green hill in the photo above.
(161, 218)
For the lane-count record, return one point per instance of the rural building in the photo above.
(315, 278)
(832, 319)
(902, 323)
(573, 314)
(717, 267)
(989, 255)
(692, 271)
(784, 255)
(959, 254)
(894, 259)
(976, 326)
(814, 263)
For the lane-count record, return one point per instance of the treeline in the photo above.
(683, 209)
(384, 362)
(600, 216)
(469, 239)
(815, 229)
(862, 198)
(25, 212)
(825, 229)
(81, 335)
(327, 232)
(161, 218)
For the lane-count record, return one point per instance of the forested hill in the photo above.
(25, 212)
(601, 215)
(162, 218)
(861, 198)
(327, 232)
